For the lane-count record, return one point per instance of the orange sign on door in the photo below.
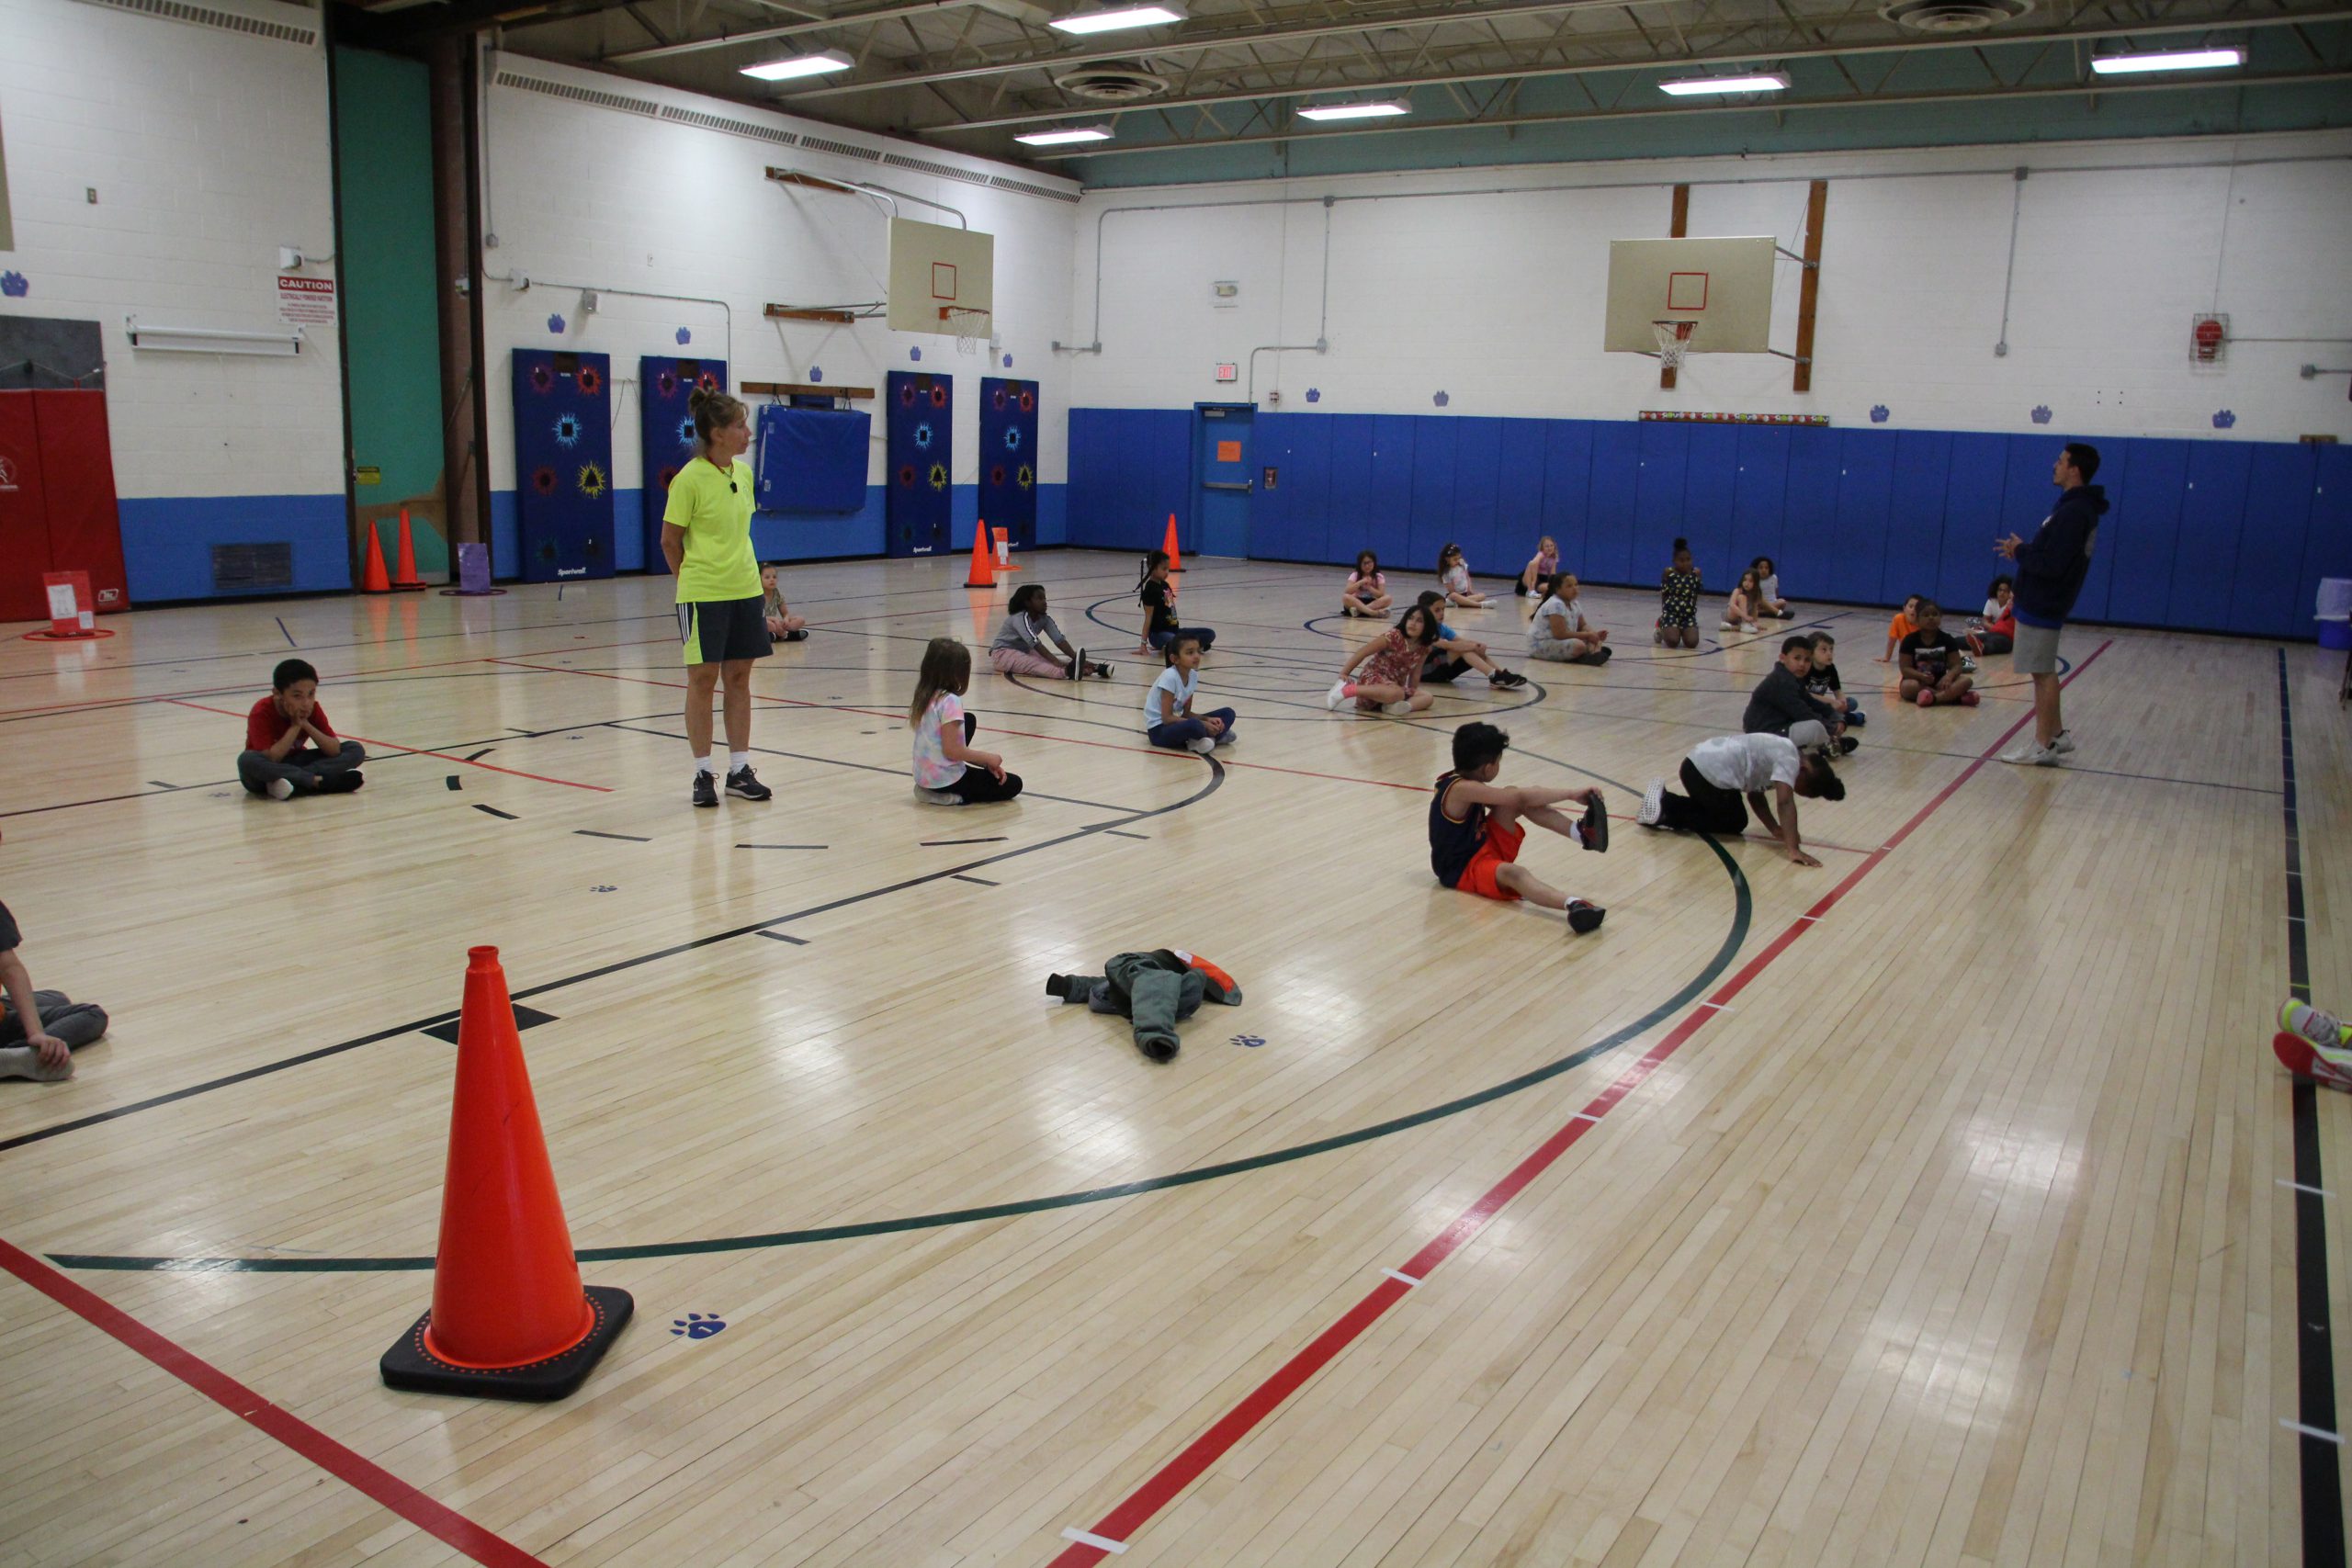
(1229, 451)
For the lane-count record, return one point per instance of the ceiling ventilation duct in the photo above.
(1112, 84)
(1948, 16)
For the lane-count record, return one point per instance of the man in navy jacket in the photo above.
(2051, 568)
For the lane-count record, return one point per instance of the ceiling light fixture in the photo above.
(1352, 111)
(1769, 82)
(2169, 60)
(1061, 136)
(1086, 22)
(799, 65)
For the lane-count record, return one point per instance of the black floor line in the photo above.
(783, 846)
(779, 936)
(625, 838)
(944, 843)
(478, 756)
(979, 881)
(2320, 1442)
(39, 1134)
(508, 816)
(453, 782)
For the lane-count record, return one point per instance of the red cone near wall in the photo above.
(510, 1317)
(983, 573)
(375, 580)
(1175, 557)
(406, 557)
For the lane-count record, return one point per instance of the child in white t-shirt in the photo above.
(947, 770)
(1168, 715)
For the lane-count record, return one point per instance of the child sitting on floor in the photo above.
(1677, 616)
(1930, 662)
(1545, 561)
(1021, 643)
(1823, 682)
(1475, 832)
(1367, 590)
(947, 770)
(1740, 610)
(1158, 596)
(1781, 706)
(40, 1031)
(290, 749)
(1391, 682)
(1454, 578)
(1905, 623)
(782, 625)
(1768, 603)
(1169, 718)
(1560, 631)
(1997, 633)
(1452, 653)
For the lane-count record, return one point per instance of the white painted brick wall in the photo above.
(1496, 298)
(588, 195)
(208, 149)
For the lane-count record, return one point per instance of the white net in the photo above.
(971, 327)
(1673, 342)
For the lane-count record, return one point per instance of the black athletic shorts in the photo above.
(716, 630)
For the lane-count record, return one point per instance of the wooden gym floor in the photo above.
(1933, 1206)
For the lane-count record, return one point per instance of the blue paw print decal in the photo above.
(566, 430)
(2223, 419)
(2041, 414)
(1252, 1040)
(1441, 400)
(1008, 362)
(696, 1325)
(1878, 414)
(816, 372)
(555, 324)
(685, 337)
(923, 436)
(14, 285)
(1012, 438)
(1314, 394)
(915, 355)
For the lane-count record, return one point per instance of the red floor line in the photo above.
(1162, 1486)
(361, 1474)
(398, 750)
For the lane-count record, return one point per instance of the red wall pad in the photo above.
(23, 513)
(77, 463)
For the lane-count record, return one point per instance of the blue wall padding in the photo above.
(563, 464)
(1008, 480)
(919, 419)
(811, 459)
(2204, 536)
(665, 433)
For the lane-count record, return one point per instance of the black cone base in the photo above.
(409, 1365)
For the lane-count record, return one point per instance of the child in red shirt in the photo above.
(291, 748)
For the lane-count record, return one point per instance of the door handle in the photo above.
(1244, 487)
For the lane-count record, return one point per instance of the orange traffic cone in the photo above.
(982, 575)
(375, 581)
(406, 557)
(1004, 561)
(1175, 557)
(510, 1318)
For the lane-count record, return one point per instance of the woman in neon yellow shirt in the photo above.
(722, 621)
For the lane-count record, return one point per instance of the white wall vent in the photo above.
(942, 171)
(731, 127)
(1026, 189)
(577, 95)
(840, 149)
(203, 16)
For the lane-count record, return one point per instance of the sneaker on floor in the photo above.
(2063, 742)
(1509, 680)
(1602, 654)
(1336, 696)
(24, 1062)
(281, 789)
(928, 796)
(1203, 745)
(342, 783)
(1078, 669)
(1969, 699)
(1101, 671)
(1596, 821)
(706, 789)
(1397, 709)
(2031, 755)
(744, 785)
(1927, 699)
(1224, 738)
(1847, 746)
(1652, 804)
(1584, 918)
(2323, 1030)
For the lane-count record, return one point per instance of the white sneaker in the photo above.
(2322, 1028)
(2063, 742)
(1336, 696)
(281, 789)
(1203, 745)
(2031, 755)
(938, 797)
(1652, 804)
(1396, 710)
(1226, 739)
(24, 1062)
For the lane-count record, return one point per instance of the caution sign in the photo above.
(305, 301)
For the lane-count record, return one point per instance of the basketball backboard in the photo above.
(934, 268)
(1721, 287)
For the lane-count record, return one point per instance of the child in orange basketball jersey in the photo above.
(1474, 831)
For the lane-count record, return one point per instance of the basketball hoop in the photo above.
(1673, 342)
(970, 326)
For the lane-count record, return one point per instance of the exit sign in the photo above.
(1228, 371)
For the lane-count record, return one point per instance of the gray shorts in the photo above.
(2037, 650)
